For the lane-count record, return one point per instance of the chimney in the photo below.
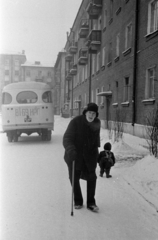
(37, 63)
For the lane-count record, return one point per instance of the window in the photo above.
(99, 23)
(128, 36)
(118, 45)
(149, 87)
(6, 64)
(86, 71)
(28, 76)
(103, 56)
(105, 18)
(16, 73)
(49, 74)
(16, 77)
(93, 64)
(26, 97)
(85, 99)
(47, 97)
(83, 73)
(98, 61)
(116, 92)
(152, 16)
(110, 53)
(39, 74)
(16, 64)
(6, 98)
(126, 89)
(6, 72)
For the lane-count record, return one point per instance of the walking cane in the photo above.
(73, 174)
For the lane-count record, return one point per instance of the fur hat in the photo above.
(107, 146)
(91, 107)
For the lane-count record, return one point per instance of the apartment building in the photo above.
(60, 86)
(10, 68)
(111, 59)
(38, 73)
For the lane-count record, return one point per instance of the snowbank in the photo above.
(137, 167)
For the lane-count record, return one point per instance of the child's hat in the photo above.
(107, 146)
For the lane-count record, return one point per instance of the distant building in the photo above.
(10, 69)
(38, 73)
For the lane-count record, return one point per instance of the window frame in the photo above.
(150, 14)
(128, 36)
(150, 87)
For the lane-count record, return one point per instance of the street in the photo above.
(36, 197)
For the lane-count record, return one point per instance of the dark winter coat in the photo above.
(81, 141)
(103, 153)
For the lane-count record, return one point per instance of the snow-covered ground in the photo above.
(142, 175)
(36, 193)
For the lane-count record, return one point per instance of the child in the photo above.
(106, 160)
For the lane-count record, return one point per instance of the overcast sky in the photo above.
(37, 26)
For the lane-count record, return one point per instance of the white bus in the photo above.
(27, 107)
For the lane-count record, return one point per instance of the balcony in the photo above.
(83, 56)
(69, 57)
(94, 41)
(68, 75)
(94, 8)
(73, 69)
(73, 47)
(84, 28)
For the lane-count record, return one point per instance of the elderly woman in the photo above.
(81, 141)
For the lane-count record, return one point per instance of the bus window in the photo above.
(47, 97)
(6, 98)
(27, 97)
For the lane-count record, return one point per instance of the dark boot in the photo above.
(108, 173)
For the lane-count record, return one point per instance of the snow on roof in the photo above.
(26, 85)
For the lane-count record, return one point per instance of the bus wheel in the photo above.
(10, 138)
(44, 137)
(15, 138)
(49, 135)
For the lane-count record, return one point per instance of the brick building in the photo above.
(111, 59)
(60, 88)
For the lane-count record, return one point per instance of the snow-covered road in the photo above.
(36, 197)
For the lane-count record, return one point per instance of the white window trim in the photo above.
(127, 40)
(149, 18)
(147, 96)
(98, 61)
(103, 56)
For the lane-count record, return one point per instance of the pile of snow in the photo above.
(138, 168)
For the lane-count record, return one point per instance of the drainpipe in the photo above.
(90, 66)
(72, 97)
(90, 76)
(135, 64)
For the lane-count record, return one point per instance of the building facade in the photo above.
(60, 89)
(10, 69)
(38, 73)
(111, 59)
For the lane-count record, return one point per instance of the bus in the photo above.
(27, 107)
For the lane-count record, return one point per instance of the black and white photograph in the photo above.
(78, 119)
